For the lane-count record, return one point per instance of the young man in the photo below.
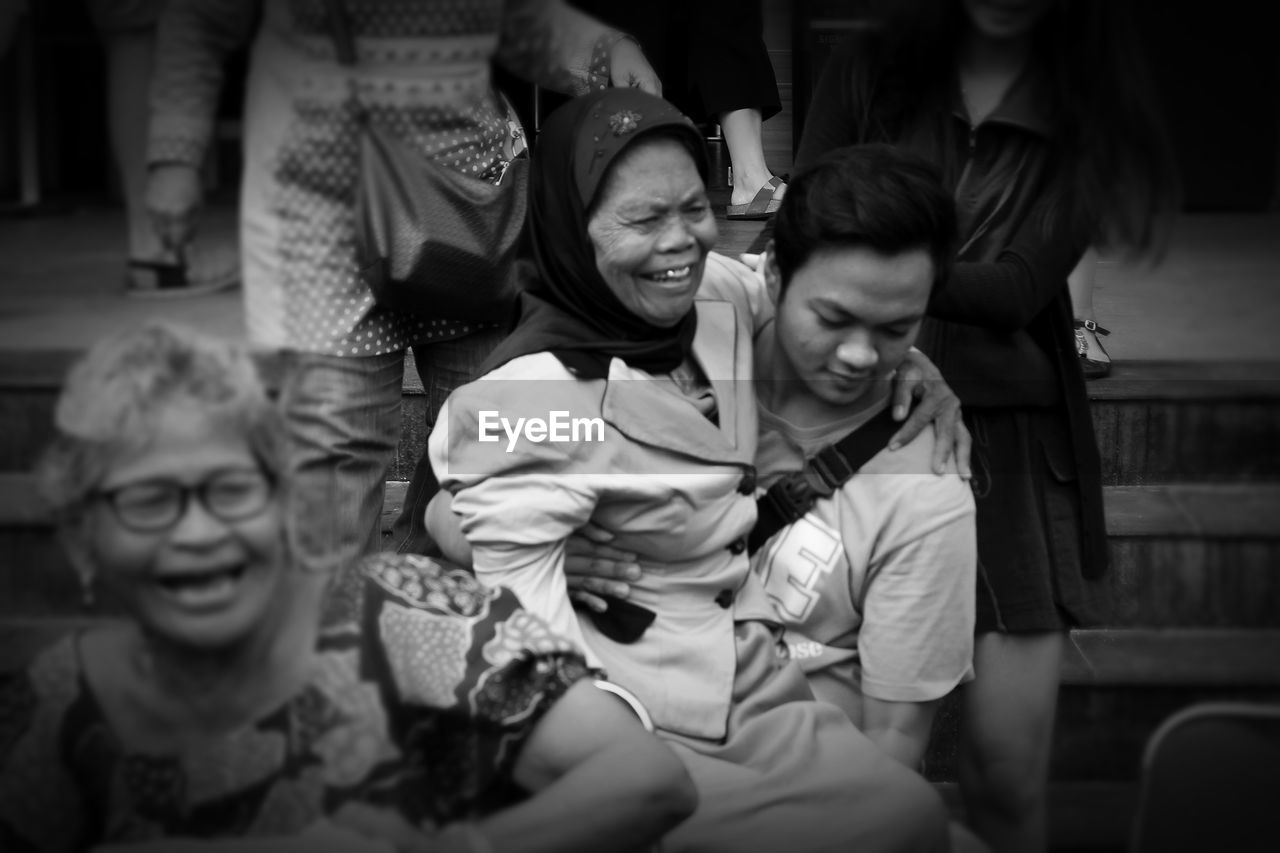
(874, 583)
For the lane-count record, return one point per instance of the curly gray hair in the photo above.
(116, 393)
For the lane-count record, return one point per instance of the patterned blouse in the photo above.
(423, 707)
(422, 72)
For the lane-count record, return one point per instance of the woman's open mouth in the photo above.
(675, 275)
(201, 590)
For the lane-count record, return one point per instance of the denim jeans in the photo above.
(343, 415)
(442, 368)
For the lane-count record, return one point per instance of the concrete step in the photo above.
(1194, 555)
(1173, 657)
(1188, 421)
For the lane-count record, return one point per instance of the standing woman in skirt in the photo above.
(1038, 115)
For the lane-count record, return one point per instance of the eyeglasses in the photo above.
(156, 505)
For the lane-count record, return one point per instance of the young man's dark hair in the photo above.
(876, 196)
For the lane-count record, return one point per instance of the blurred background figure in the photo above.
(215, 709)
(128, 29)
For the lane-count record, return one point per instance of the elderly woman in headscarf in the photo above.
(218, 710)
(623, 399)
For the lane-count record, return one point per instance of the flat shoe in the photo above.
(762, 206)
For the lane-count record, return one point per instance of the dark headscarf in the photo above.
(568, 309)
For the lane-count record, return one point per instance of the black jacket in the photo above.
(1000, 330)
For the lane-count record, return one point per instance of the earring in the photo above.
(86, 591)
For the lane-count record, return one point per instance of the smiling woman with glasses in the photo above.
(440, 716)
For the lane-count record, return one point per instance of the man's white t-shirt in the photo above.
(876, 583)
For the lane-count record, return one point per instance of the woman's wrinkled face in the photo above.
(205, 579)
(652, 228)
(1005, 19)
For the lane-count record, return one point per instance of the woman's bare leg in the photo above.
(1006, 733)
(1080, 284)
(741, 129)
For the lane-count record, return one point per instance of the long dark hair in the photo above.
(1115, 178)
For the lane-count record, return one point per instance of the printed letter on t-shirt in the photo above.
(803, 554)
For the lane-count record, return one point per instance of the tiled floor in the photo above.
(1216, 296)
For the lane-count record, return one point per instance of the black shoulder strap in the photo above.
(791, 497)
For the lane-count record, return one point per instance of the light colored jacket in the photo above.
(673, 486)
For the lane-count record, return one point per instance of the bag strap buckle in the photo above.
(826, 471)
(791, 497)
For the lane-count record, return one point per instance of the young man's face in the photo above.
(848, 317)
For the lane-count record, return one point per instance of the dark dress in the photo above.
(1000, 330)
(422, 707)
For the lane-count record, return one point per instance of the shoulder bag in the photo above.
(429, 239)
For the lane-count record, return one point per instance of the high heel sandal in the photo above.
(1091, 367)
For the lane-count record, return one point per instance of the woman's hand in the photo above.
(592, 566)
(173, 201)
(629, 68)
(595, 568)
(918, 379)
